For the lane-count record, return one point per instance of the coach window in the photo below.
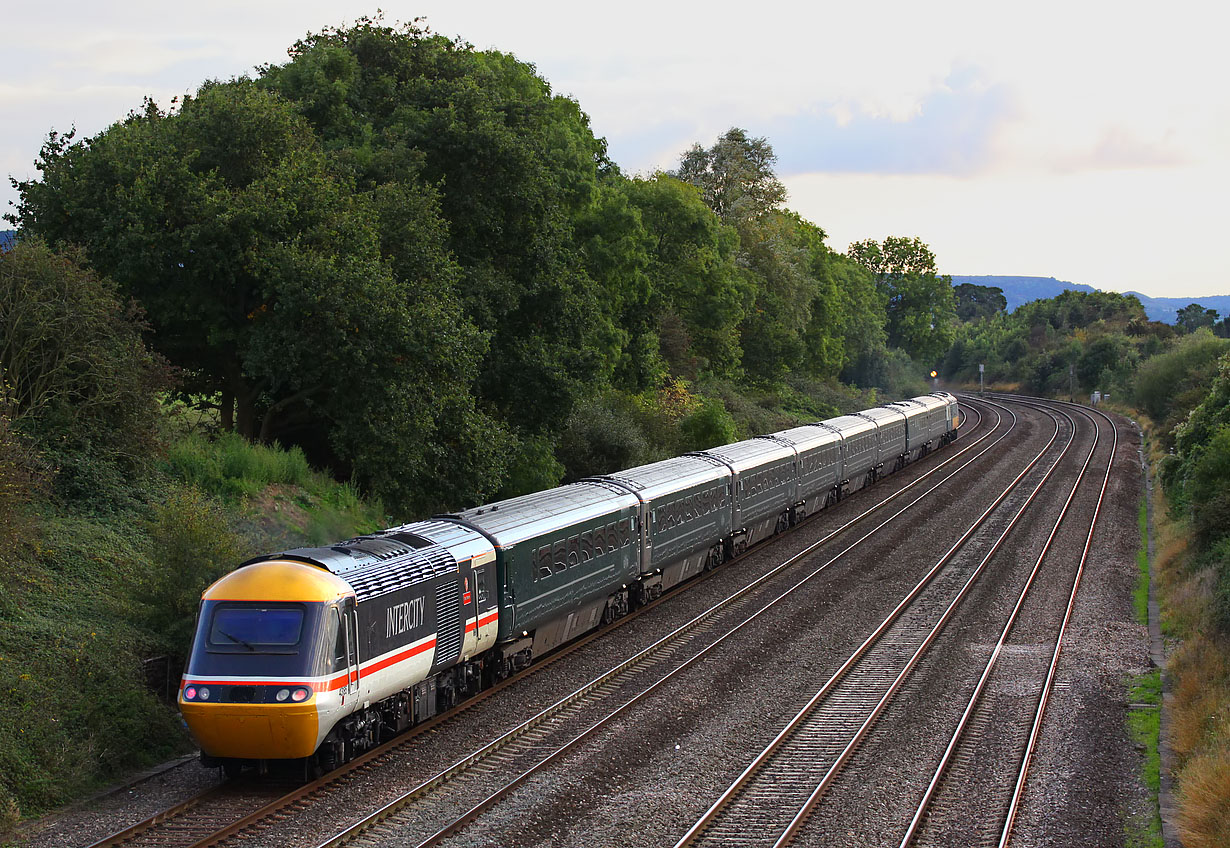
(480, 583)
(339, 642)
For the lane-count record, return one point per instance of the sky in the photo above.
(1088, 141)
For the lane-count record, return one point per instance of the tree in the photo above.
(735, 176)
(976, 302)
(264, 279)
(697, 297)
(920, 303)
(1192, 317)
(513, 165)
(75, 375)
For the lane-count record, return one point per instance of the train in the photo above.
(316, 655)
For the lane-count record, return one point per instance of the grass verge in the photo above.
(1141, 596)
(1144, 724)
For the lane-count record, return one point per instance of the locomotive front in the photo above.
(271, 663)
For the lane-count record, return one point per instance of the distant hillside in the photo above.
(6, 238)
(1018, 290)
(1166, 308)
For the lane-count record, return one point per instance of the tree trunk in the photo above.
(246, 419)
(226, 411)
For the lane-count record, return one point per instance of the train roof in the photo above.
(528, 516)
(750, 453)
(670, 475)
(384, 562)
(809, 436)
(850, 425)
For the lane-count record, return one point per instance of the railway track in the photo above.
(541, 749)
(221, 813)
(1007, 706)
(976, 805)
(773, 798)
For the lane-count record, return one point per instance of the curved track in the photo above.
(225, 811)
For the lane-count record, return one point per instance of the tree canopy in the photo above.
(920, 303)
(416, 261)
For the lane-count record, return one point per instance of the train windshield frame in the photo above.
(263, 628)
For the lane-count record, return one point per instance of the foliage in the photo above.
(735, 176)
(602, 436)
(1193, 317)
(191, 546)
(1076, 341)
(263, 276)
(708, 426)
(74, 373)
(77, 710)
(512, 163)
(920, 303)
(1169, 385)
(696, 297)
(975, 302)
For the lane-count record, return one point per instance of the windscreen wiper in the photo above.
(247, 645)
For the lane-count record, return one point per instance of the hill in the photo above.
(1019, 290)
(1167, 308)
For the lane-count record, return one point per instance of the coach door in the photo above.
(349, 630)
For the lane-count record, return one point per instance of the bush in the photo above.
(1170, 384)
(76, 709)
(709, 426)
(74, 372)
(602, 436)
(190, 547)
(534, 468)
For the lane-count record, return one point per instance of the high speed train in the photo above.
(318, 654)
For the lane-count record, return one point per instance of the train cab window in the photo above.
(258, 630)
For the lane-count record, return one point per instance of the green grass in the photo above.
(231, 467)
(1144, 723)
(1140, 596)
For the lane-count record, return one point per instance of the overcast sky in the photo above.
(1084, 141)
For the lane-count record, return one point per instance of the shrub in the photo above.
(602, 436)
(709, 426)
(1178, 379)
(190, 547)
(534, 468)
(76, 375)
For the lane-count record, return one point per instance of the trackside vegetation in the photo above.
(396, 275)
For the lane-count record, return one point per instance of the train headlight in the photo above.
(203, 693)
(190, 693)
(283, 694)
(300, 694)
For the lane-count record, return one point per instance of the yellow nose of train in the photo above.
(259, 715)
